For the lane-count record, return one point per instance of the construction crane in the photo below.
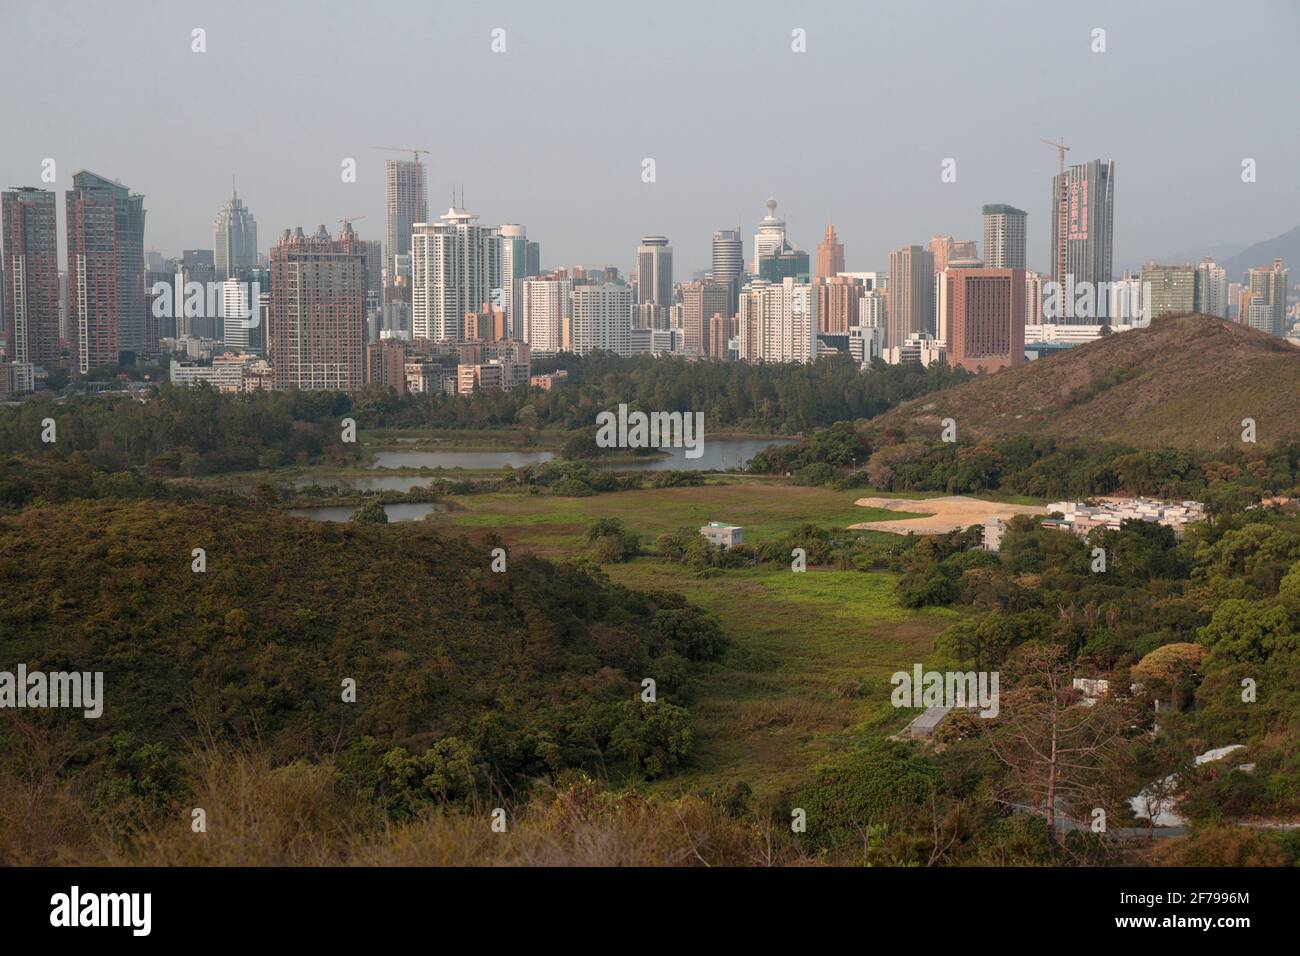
(1062, 214)
(415, 153)
(348, 219)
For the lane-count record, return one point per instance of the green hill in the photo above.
(526, 672)
(1187, 381)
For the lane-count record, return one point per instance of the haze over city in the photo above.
(552, 132)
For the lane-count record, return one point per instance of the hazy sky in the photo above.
(552, 132)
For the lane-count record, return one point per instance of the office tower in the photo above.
(838, 298)
(729, 261)
(987, 324)
(547, 314)
(1172, 289)
(830, 255)
(317, 334)
(1214, 288)
(700, 302)
(514, 269)
(237, 314)
(1004, 236)
(406, 193)
(455, 265)
(911, 294)
(234, 238)
(29, 239)
(1082, 223)
(602, 319)
(770, 236)
(785, 262)
(107, 300)
(778, 322)
(1266, 309)
(534, 261)
(654, 272)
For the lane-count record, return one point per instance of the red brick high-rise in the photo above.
(317, 329)
(28, 235)
(987, 328)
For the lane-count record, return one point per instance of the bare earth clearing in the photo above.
(953, 513)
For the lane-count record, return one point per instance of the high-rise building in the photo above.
(654, 272)
(234, 238)
(770, 236)
(778, 322)
(1266, 305)
(386, 365)
(237, 314)
(1004, 236)
(455, 266)
(407, 202)
(722, 329)
(107, 301)
(987, 326)
(30, 302)
(514, 269)
(785, 262)
(943, 249)
(1033, 298)
(1082, 223)
(602, 319)
(547, 314)
(317, 334)
(701, 301)
(911, 294)
(830, 255)
(838, 298)
(534, 262)
(1213, 282)
(1172, 289)
(729, 261)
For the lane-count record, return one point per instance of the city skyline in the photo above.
(590, 207)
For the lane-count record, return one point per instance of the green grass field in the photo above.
(812, 653)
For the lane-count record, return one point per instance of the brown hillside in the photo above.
(1187, 381)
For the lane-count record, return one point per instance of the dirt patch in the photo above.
(941, 515)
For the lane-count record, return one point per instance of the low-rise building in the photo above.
(724, 535)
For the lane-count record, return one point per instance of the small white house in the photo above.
(726, 535)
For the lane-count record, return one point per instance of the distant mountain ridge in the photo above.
(1285, 247)
(1187, 381)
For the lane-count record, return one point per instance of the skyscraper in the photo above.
(317, 334)
(514, 268)
(234, 238)
(943, 249)
(602, 319)
(830, 255)
(1266, 302)
(1172, 289)
(455, 266)
(770, 236)
(729, 261)
(838, 298)
(987, 328)
(107, 301)
(1004, 236)
(546, 309)
(1213, 283)
(700, 302)
(778, 322)
(911, 294)
(28, 236)
(654, 272)
(407, 202)
(1082, 223)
